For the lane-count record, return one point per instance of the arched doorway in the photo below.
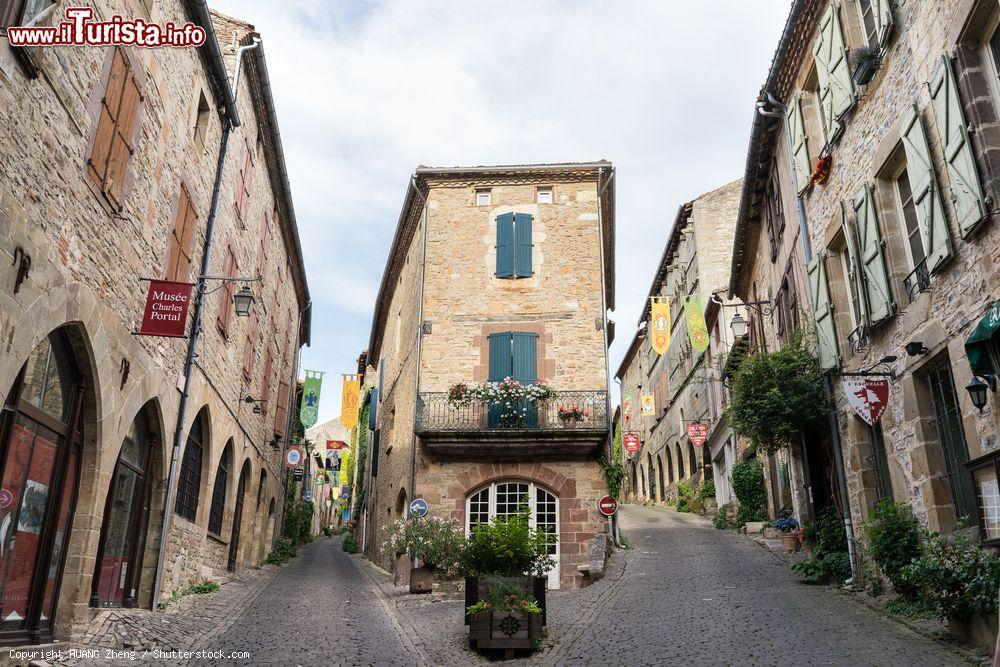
(41, 439)
(635, 485)
(680, 464)
(217, 510)
(234, 540)
(670, 466)
(652, 476)
(126, 516)
(401, 506)
(269, 531)
(659, 469)
(642, 482)
(692, 460)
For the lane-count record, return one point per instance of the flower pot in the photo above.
(865, 71)
(421, 580)
(508, 631)
(476, 588)
(790, 541)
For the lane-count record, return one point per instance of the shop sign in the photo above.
(868, 397)
(631, 442)
(166, 309)
(698, 433)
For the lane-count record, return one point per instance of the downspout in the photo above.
(192, 352)
(604, 332)
(418, 341)
(838, 455)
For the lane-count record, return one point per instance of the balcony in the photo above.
(494, 432)
(918, 281)
(858, 339)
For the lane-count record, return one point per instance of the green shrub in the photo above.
(706, 490)
(349, 544)
(954, 577)
(684, 497)
(282, 551)
(507, 546)
(614, 475)
(202, 588)
(831, 535)
(438, 543)
(830, 560)
(747, 479)
(892, 538)
(720, 521)
(907, 609)
(298, 521)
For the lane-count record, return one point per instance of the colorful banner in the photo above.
(697, 329)
(659, 324)
(166, 309)
(648, 405)
(868, 397)
(311, 387)
(627, 399)
(350, 400)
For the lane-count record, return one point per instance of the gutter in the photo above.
(519, 168)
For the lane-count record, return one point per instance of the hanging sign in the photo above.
(697, 328)
(627, 399)
(166, 309)
(311, 387)
(648, 405)
(659, 324)
(298, 474)
(868, 397)
(698, 433)
(631, 442)
(335, 444)
(349, 402)
(293, 457)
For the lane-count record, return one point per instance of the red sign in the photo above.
(166, 309)
(631, 442)
(335, 444)
(868, 397)
(607, 505)
(698, 433)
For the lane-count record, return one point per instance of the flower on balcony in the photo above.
(571, 413)
(508, 392)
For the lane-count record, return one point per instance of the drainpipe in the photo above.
(604, 332)
(418, 342)
(838, 455)
(192, 352)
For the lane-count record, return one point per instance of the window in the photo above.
(189, 481)
(544, 195)
(514, 246)
(201, 124)
(226, 294)
(836, 89)
(219, 491)
(879, 462)
(25, 12)
(116, 124)
(951, 434)
(985, 475)
(857, 317)
(773, 215)
(179, 254)
(908, 214)
(243, 183)
(265, 391)
(484, 197)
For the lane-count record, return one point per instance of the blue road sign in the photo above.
(418, 507)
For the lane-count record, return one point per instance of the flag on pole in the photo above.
(311, 387)
(350, 400)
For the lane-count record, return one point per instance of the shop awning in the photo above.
(978, 343)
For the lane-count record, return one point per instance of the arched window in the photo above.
(189, 481)
(659, 468)
(680, 464)
(505, 499)
(241, 490)
(219, 491)
(642, 480)
(692, 460)
(635, 485)
(652, 476)
(670, 466)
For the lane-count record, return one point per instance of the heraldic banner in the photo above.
(697, 329)
(659, 324)
(310, 398)
(350, 400)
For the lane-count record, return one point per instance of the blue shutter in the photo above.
(375, 452)
(373, 410)
(505, 245)
(381, 377)
(525, 365)
(500, 368)
(522, 245)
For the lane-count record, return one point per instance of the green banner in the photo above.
(697, 329)
(310, 398)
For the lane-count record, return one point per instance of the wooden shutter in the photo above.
(664, 392)
(250, 348)
(963, 178)
(871, 254)
(882, 15)
(854, 265)
(181, 237)
(525, 357)
(826, 333)
(281, 411)
(373, 410)
(505, 246)
(800, 145)
(117, 115)
(836, 89)
(226, 294)
(122, 146)
(501, 364)
(265, 390)
(522, 245)
(265, 240)
(243, 182)
(930, 214)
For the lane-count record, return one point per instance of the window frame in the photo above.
(189, 478)
(901, 214)
(872, 41)
(539, 191)
(979, 463)
(990, 58)
(488, 192)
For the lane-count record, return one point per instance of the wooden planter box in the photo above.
(508, 631)
(476, 588)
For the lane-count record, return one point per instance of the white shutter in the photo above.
(854, 265)
(871, 255)
(836, 89)
(933, 226)
(882, 15)
(826, 332)
(800, 144)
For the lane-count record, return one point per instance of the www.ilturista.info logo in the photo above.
(80, 30)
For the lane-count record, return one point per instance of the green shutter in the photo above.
(933, 226)
(500, 357)
(826, 333)
(505, 245)
(854, 264)
(963, 178)
(871, 253)
(800, 144)
(836, 88)
(525, 353)
(882, 15)
(522, 245)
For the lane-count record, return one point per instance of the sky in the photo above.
(368, 90)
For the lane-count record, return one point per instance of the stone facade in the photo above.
(685, 383)
(87, 258)
(934, 55)
(457, 301)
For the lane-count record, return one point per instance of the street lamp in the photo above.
(977, 391)
(243, 301)
(256, 404)
(739, 326)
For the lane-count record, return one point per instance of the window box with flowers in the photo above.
(510, 403)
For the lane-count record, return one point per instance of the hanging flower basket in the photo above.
(822, 171)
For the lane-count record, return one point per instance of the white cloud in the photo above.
(366, 91)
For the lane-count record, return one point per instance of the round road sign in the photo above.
(293, 457)
(607, 505)
(418, 507)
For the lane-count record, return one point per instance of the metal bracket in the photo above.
(23, 269)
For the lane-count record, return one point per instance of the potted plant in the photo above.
(789, 528)
(570, 415)
(505, 555)
(435, 543)
(505, 618)
(865, 61)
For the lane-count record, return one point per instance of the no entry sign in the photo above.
(607, 505)
(166, 309)
(631, 442)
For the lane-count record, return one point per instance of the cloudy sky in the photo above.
(368, 90)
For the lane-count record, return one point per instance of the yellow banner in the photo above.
(648, 405)
(350, 400)
(659, 324)
(697, 328)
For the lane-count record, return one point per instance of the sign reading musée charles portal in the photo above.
(166, 309)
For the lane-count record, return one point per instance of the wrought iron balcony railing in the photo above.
(436, 414)
(918, 281)
(858, 339)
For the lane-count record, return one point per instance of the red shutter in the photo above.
(97, 165)
(226, 294)
(265, 392)
(243, 182)
(250, 349)
(121, 141)
(179, 255)
(664, 392)
(281, 411)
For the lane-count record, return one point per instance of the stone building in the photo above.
(693, 272)
(108, 157)
(495, 272)
(331, 448)
(874, 150)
